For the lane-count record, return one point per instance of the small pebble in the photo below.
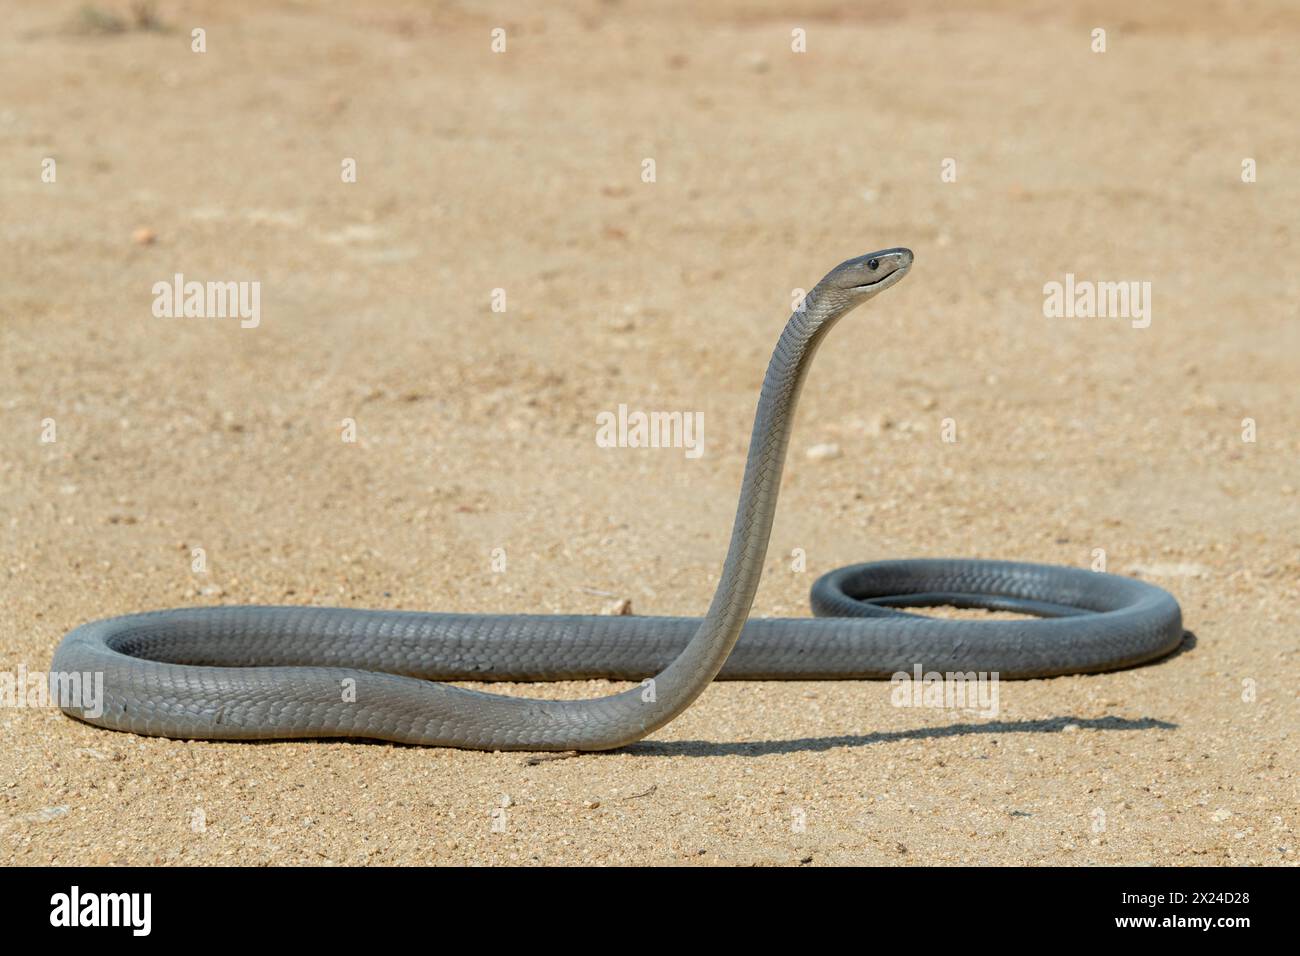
(46, 814)
(824, 452)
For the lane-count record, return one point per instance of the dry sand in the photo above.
(522, 171)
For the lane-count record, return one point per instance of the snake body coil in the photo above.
(233, 673)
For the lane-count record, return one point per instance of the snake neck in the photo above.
(685, 679)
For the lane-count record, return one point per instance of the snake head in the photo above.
(866, 275)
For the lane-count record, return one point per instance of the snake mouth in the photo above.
(883, 268)
(872, 285)
(889, 277)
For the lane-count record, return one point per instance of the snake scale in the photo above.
(234, 673)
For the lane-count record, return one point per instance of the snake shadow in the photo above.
(1045, 725)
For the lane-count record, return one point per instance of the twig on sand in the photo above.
(534, 759)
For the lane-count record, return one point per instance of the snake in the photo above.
(276, 672)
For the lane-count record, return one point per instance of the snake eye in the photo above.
(873, 264)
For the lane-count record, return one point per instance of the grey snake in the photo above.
(238, 673)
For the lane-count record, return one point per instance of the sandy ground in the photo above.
(522, 171)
